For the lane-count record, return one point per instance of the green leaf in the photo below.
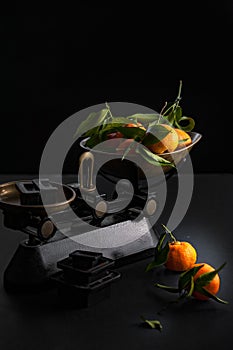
(128, 149)
(155, 133)
(93, 120)
(161, 254)
(131, 133)
(149, 139)
(154, 324)
(160, 259)
(152, 158)
(186, 277)
(92, 132)
(128, 132)
(178, 113)
(207, 277)
(108, 129)
(144, 118)
(171, 117)
(169, 109)
(173, 238)
(189, 123)
(167, 288)
(182, 141)
(205, 292)
(191, 287)
(173, 114)
(159, 131)
(121, 120)
(93, 141)
(160, 241)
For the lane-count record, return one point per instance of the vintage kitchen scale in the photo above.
(116, 235)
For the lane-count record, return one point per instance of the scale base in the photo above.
(32, 265)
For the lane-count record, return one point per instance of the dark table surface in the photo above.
(39, 321)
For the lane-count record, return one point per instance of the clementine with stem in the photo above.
(181, 256)
(212, 286)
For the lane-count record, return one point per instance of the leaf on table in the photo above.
(154, 324)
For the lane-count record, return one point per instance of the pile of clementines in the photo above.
(199, 280)
(174, 140)
(160, 133)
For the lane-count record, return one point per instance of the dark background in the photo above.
(54, 64)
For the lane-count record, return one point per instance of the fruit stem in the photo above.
(170, 233)
(179, 92)
(161, 113)
(109, 110)
(175, 103)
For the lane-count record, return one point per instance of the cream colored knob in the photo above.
(151, 207)
(100, 209)
(46, 229)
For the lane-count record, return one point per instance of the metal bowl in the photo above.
(118, 169)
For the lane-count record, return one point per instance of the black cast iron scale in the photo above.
(36, 258)
(39, 258)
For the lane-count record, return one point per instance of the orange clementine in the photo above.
(118, 134)
(115, 135)
(212, 286)
(168, 143)
(135, 125)
(184, 139)
(181, 256)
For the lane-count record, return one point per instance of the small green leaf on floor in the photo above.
(154, 324)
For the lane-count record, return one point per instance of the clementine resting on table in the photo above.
(212, 286)
(181, 256)
(201, 282)
(174, 255)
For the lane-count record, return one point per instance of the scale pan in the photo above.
(11, 200)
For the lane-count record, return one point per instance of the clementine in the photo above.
(181, 256)
(115, 135)
(168, 143)
(135, 125)
(212, 286)
(118, 134)
(184, 139)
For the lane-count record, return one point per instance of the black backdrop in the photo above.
(54, 64)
